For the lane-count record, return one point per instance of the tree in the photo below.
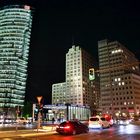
(27, 109)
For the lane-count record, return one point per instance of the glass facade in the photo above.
(68, 112)
(15, 30)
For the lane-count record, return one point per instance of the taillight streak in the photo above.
(64, 127)
(67, 127)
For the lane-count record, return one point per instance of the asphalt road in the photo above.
(120, 132)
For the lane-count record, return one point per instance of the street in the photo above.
(118, 132)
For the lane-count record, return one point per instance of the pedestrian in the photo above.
(59, 120)
(53, 120)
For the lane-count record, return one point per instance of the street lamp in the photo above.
(39, 98)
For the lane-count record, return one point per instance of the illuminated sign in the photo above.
(55, 107)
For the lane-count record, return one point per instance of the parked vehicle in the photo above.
(72, 127)
(22, 120)
(98, 122)
(7, 121)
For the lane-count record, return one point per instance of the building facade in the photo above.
(59, 93)
(15, 30)
(119, 79)
(78, 89)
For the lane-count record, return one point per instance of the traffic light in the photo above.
(91, 74)
(36, 110)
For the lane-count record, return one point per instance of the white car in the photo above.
(98, 122)
(22, 120)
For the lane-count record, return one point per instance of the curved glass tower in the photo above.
(15, 30)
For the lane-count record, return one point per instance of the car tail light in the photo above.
(67, 127)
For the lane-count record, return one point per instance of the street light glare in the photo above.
(39, 98)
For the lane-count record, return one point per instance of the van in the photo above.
(98, 122)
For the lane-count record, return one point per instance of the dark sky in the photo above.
(57, 22)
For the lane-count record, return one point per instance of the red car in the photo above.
(72, 128)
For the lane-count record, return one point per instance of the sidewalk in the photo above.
(48, 130)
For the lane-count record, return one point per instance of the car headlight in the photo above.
(127, 122)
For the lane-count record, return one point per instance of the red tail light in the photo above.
(67, 127)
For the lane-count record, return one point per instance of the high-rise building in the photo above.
(78, 86)
(119, 79)
(15, 30)
(78, 89)
(59, 93)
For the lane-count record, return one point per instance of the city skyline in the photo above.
(57, 25)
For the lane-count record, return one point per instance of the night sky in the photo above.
(58, 23)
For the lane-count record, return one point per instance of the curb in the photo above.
(25, 133)
(36, 134)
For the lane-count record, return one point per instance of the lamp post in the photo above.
(39, 98)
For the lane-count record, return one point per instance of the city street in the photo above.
(68, 67)
(118, 132)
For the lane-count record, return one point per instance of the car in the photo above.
(9, 121)
(22, 120)
(109, 119)
(72, 127)
(123, 121)
(98, 122)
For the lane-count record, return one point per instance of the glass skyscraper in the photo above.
(15, 30)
